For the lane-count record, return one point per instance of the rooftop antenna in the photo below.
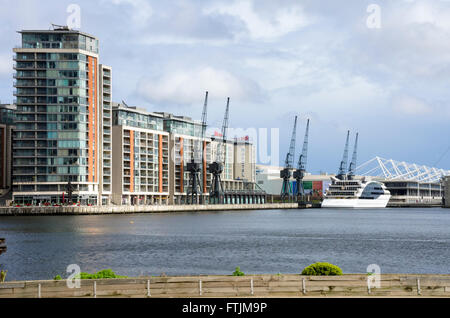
(60, 27)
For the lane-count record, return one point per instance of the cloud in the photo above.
(187, 86)
(408, 105)
(427, 13)
(176, 22)
(264, 24)
(140, 11)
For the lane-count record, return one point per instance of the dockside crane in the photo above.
(351, 168)
(195, 166)
(285, 174)
(343, 166)
(216, 168)
(301, 166)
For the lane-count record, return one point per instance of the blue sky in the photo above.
(275, 59)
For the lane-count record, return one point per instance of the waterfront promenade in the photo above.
(280, 285)
(124, 209)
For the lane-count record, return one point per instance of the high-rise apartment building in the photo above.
(57, 134)
(140, 157)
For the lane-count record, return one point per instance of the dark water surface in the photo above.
(265, 241)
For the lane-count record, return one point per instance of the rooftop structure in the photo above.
(181, 125)
(388, 169)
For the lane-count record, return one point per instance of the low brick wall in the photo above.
(123, 209)
(349, 285)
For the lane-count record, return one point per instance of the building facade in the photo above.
(105, 144)
(7, 114)
(409, 192)
(140, 157)
(244, 161)
(185, 141)
(56, 140)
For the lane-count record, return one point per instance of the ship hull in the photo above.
(380, 202)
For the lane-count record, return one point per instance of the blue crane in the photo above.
(343, 166)
(352, 167)
(216, 168)
(194, 167)
(301, 165)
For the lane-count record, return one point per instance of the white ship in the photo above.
(356, 193)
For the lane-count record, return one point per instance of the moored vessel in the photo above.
(356, 193)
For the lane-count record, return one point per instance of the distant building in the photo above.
(6, 132)
(408, 192)
(268, 178)
(244, 161)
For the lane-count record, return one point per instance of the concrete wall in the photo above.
(79, 210)
(117, 164)
(290, 285)
(446, 184)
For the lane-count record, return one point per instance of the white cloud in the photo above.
(408, 105)
(274, 73)
(188, 86)
(161, 39)
(427, 13)
(140, 10)
(264, 26)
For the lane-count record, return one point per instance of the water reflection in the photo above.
(399, 240)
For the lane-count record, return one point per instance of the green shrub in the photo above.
(2, 276)
(103, 274)
(322, 269)
(238, 272)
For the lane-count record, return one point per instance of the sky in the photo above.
(379, 67)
